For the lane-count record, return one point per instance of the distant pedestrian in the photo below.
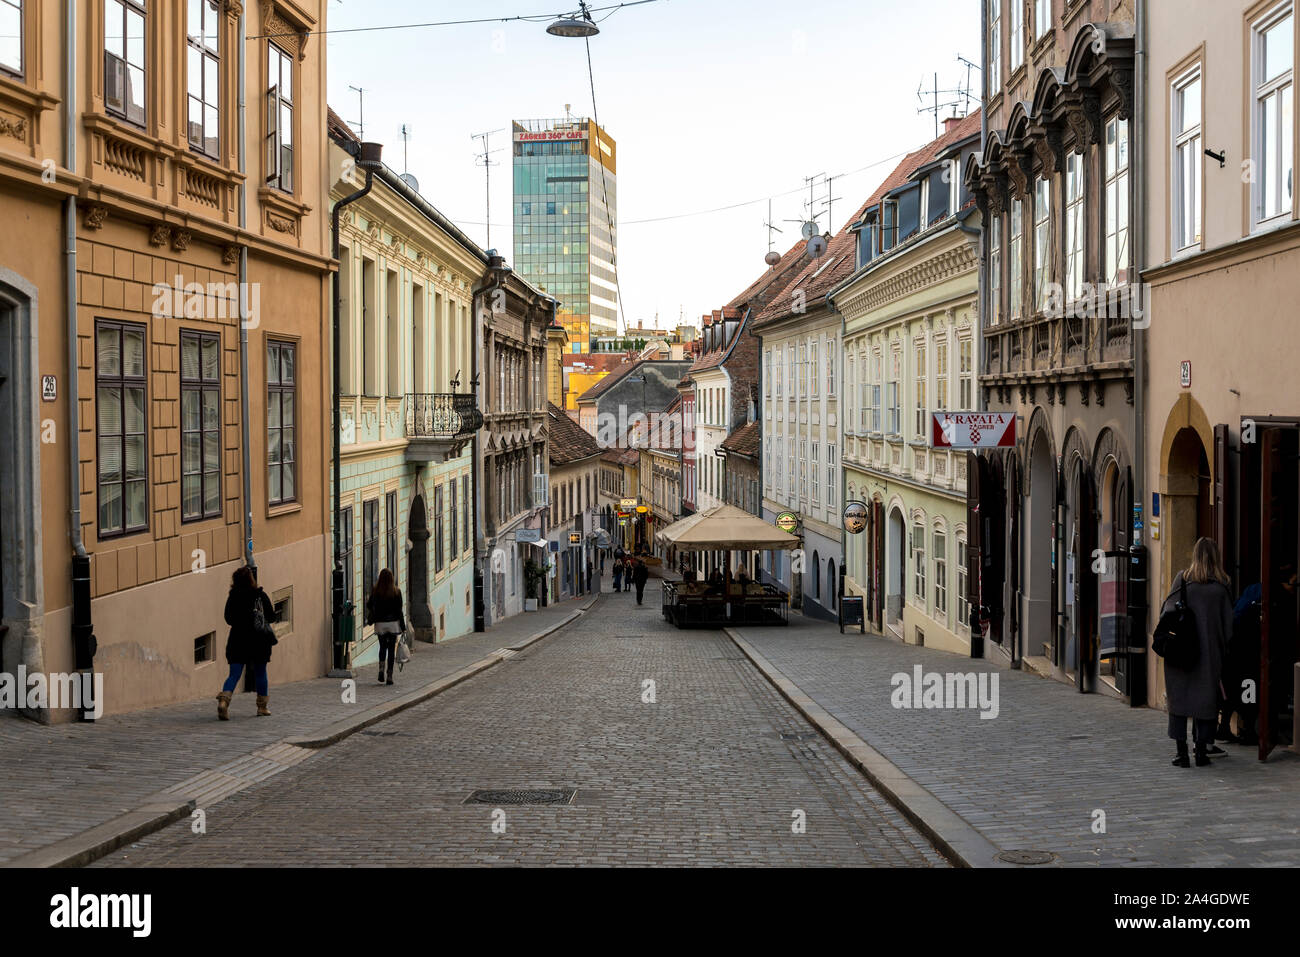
(384, 611)
(1193, 692)
(249, 613)
(589, 574)
(629, 569)
(618, 574)
(639, 576)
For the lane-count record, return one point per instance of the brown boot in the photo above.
(223, 705)
(262, 709)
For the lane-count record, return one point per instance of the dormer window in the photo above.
(888, 224)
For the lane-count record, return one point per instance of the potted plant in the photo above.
(533, 576)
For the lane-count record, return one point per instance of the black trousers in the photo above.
(1202, 729)
(640, 591)
(388, 649)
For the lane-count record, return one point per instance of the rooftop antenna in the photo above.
(936, 106)
(829, 201)
(485, 160)
(969, 67)
(361, 123)
(406, 135)
(772, 257)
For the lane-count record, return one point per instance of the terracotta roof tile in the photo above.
(744, 441)
(569, 442)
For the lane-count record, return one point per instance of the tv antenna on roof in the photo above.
(361, 123)
(485, 160)
(936, 106)
(829, 201)
(773, 257)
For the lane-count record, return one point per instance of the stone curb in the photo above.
(158, 812)
(80, 849)
(955, 838)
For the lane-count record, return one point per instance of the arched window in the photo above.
(817, 577)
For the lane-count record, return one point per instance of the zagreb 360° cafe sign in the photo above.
(972, 430)
(551, 135)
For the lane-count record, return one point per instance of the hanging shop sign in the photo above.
(972, 430)
(575, 538)
(855, 518)
(627, 504)
(788, 522)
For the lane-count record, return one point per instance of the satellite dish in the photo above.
(816, 246)
(410, 180)
(772, 258)
(808, 230)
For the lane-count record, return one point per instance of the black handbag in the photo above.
(1177, 638)
(261, 627)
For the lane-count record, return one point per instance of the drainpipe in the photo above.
(1138, 563)
(244, 412)
(492, 279)
(83, 628)
(368, 158)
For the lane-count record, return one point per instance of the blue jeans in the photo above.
(259, 678)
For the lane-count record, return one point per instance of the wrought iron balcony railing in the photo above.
(441, 415)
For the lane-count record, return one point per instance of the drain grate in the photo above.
(1027, 857)
(800, 736)
(521, 796)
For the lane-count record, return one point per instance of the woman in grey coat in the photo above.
(1194, 692)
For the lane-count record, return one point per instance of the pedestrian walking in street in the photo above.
(639, 576)
(629, 569)
(618, 574)
(249, 613)
(1193, 689)
(384, 611)
(589, 575)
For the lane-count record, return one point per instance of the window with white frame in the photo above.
(832, 479)
(1074, 225)
(1017, 34)
(125, 41)
(814, 369)
(779, 484)
(767, 372)
(791, 377)
(776, 371)
(966, 372)
(1272, 69)
(995, 270)
(1116, 213)
(876, 376)
(940, 375)
(850, 380)
(1186, 182)
(803, 469)
(919, 351)
(801, 372)
(1015, 246)
(815, 474)
(1042, 240)
(940, 573)
(963, 607)
(892, 398)
(918, 561)
(792, 483)
(830, 368)
(12, 36)
(995, 45)
(1042, 17)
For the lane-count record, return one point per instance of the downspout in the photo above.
(368, 159)
(244, 411)
(83, 628)
(1139, 571)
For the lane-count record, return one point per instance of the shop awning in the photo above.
(725, 528)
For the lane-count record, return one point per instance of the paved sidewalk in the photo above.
(1036, 776)
(62, 780)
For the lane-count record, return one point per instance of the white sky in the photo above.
(711, 102)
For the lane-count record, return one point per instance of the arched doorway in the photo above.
(831, 581)
(1038, 548)
(420, 610)
(1186, 512)
(895, 571)
(817, 578)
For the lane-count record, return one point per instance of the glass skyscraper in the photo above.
(566, 221)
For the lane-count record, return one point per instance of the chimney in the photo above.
(951, 122)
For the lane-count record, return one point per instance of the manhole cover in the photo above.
(1026, 857)
(799, 735)
(521, 796)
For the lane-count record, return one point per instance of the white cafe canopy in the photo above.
(725, 527)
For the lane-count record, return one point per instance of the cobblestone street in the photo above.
(716, 769)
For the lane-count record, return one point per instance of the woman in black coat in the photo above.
(244, 645)
(384, 610)
(1194, 692)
